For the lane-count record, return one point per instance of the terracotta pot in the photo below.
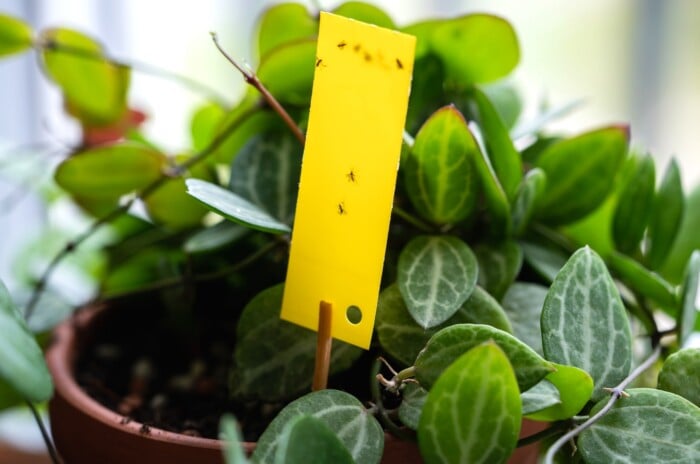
(85, 432)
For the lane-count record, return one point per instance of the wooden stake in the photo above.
(323, 346)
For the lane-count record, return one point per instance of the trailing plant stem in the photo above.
(252, 79)
(44, 434)
(615, 394)
(117, 212)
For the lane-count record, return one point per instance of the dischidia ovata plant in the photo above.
(518, 282)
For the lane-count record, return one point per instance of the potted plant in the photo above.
(518, 283)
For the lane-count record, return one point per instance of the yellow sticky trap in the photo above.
(358, 110)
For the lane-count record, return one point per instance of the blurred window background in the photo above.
(635, 61)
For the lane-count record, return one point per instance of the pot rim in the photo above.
(61, 357)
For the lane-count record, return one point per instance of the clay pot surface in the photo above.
(86, 432)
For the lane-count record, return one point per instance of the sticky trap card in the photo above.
(358, 111)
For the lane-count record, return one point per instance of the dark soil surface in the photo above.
(173, 375)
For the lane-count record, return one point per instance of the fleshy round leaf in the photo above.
(402, 337)
(288, 71)
(584, 323)
(266, 173)
(233, 451)
(634, 204)
(476, 48)
(234, 207)
(543, 395)
(649, 426)
(110, 171)
(574, 387)
(93, 87)
(239, 125)
(451, 342)
(23, 366)
(580, 173)
(499, 264)
(274, 359)
(523, 306)
(473, 412)
(439, 168)
(690, 298)
(666, 216)
(204, 124)
(527, 199)
(170, 205)
(504, 158)
(411, 407)
(436, 276)
(366, 13)
(341, 412)
(15, 35)
(283, 23)
(680, 374)
(306, 436)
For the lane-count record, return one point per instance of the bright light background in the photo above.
(635, 61)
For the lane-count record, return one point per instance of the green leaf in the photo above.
(284, 23)
(240, 125)
(495, 197)
(499, 264)
(436, 275)
(541, 121)
(595, 230)
(584, 323)
(9, 397)
(649, 426)
(215, 237)
(634, 205)
(679, 374)
(234, 207)
(204, 124)
(523, 305)
(575, 387)
(355, 427)
(231, 436)
(643, 281)
(274, 359)
(423, 32)
(504, 158)
(666, 216)
(288, 71)
(690, 298)
(451, 342)
(94, 88)
(266, 173)
(545, 261)
(306, 436)
(23, 366)
(687, 240)
(402, 337)
(15, 35)
(110, 171)
(476, 48)
(506, 100)
(439, 168)
(473, 412)
(172, 206)
(426, 97)
(527, 199)
(580, 173)
(543, 395)
(365, 12)
(412, 403)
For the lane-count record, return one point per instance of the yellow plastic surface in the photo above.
(358, 111)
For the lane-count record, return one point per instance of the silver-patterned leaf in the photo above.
(545, 261)
(523, 305)
(527, 198)
(499, 264)
(584, 323)
(341, 412)
(274, 359)
(401, 336)
(451, 342)
(691, 288)
(411, 406)
(651, 426)
(680, 374)
(436, 274)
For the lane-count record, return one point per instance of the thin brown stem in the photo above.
(252, 79)
(53, 454)
(117, 212)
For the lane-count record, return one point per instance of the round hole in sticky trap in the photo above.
(354, 314)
